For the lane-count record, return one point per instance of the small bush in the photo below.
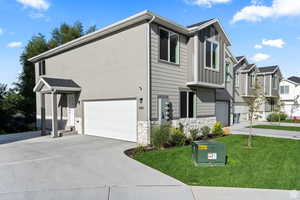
(178, 137)
(140, 150)
(217, 129)
(194, 134)
(160, 135)
(205, 130)
(274, 117)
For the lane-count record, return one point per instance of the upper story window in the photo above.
(169, 46)
(212, 55)
(237, 80)
(274, 81)
(42, 68)
(252, 80)
(285, 89)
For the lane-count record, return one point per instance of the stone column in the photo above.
(54, 132)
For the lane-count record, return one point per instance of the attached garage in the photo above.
(222, 112)
(115, 119)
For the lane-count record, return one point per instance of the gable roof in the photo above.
(268, 69)
(240, 57)
(199, 23)
(56, 84)
(294, 79)
(139, 17)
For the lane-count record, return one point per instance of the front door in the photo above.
(71, 109)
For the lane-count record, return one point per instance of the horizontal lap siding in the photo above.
(166, 79)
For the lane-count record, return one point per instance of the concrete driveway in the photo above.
(80, 167)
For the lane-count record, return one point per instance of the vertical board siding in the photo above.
(206, 101)
(207, 75)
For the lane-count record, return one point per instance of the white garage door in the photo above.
(112, 119)
(222, 112)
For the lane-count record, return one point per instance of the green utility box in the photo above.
(208, 153)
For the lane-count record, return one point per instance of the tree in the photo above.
(295, 105)
(254, 102)
(278, 109)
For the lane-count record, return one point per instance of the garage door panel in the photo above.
(222, 112)
(113, 119)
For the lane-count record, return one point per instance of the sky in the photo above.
(267, 32)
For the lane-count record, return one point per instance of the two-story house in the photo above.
(119, 81)
(269, 78)
(246, 77)
(290, 96)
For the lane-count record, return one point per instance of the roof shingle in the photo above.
(55, 82)
(199, 23)
(267, 69)
(295, 79)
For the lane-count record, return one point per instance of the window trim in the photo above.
(253, 80)
(236, 80)
(168, 61)
(42, 67)
(211, 57)
(285, 89)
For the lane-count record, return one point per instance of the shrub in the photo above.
(194, 134)
(140, 150)
(217, 129)
(178, 137)
(274, 117)
(205, 130)
(160, 135)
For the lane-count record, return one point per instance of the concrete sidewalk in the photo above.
(242, 129)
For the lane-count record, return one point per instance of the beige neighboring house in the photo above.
(246, 75)
(119, 81)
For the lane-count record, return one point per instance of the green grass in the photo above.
(290, 121)
(275, 127)
(273, 163)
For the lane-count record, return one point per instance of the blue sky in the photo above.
(272, 26)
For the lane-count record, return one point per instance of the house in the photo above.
(290, 96)
(269, 77)
(119, 81)
(246, 76)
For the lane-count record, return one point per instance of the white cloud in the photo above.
(14, 44)
(207, 3)
(257, 11)
(260, 57)
(37, 4)
(258, 46)
(279, 43)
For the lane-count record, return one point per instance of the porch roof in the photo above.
(47, 85)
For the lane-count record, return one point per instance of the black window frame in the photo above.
(42, 68)
(187, 107)
(170, 57)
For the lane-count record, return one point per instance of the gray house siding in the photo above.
(208, 75)
(168, 79)
(112, 67)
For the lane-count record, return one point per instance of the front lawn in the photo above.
(276, 127)
(272, 163)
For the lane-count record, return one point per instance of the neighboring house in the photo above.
(269, 77)
(119, 81)
(246, 76)
(290, 96)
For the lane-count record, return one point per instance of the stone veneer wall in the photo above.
(143, 133)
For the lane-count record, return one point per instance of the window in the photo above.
(42, 68)
(285, 89)
(252, 80)
(169, 46)
(237, 80)
(274, 81)
(187, 104)
(211, 55)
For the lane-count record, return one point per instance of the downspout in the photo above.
(149, 74)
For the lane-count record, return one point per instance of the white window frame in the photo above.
(237, 80)
(253, 80)
(275, 81)
(211, 56)
(177, 50)
(285, 88)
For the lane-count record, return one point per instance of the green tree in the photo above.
(254, 102)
